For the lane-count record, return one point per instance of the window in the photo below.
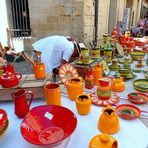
(20, 17)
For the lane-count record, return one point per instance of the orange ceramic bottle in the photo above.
(97, 73)
(89, 79)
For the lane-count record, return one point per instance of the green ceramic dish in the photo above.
(121, 61)
(124, 71)
(135, 55)
(114, 68)
(145, 70)
(137, 70)
(141, 85)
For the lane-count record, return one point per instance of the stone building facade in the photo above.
(76, 18)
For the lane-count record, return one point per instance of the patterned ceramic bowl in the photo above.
(135, 55)
(141, 85)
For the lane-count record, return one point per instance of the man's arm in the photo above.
(56, 70)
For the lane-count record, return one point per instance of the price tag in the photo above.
(1, 116)
(48, 116)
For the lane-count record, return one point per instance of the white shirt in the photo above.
(54, 49)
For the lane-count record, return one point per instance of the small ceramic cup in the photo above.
(83, 103)
(52, 94)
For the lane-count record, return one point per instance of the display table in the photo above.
(27, 82)
(131, 134)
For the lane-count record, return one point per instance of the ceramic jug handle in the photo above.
(31, 96)
(19, 74)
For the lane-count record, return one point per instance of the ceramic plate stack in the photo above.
(4, 122)
(141, 85)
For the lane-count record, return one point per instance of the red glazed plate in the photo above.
(67, 71)
(138, 98)
(128, 112)
(48, 125)
(113, 100)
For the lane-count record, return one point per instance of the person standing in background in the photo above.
(146, 26)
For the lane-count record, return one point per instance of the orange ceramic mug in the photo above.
(52, 94)
(39, 71)
(83, 103)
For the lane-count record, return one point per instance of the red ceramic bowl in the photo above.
(48, 125)
(3, 122)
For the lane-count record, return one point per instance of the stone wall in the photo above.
(70, 17)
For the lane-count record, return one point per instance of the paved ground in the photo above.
(24, 67)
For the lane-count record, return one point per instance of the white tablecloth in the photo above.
(132, 134)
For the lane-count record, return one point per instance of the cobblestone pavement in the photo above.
(24, 67)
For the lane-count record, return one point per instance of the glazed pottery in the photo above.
(95, 52)
(9, 79)
(141, 85)
(118, 84)
(115, 32)
(52, 94)
(48, 125)
(74, 87)
(127, 35)
(21, 107)
(128, 111)
(135, 55)
(104, 88)
(39, 71)
(113, 100)
(124, 71)
(114, 66)
(89, 79)
(97, 73)
(103, 141)
(83, 104)
(67, 71)
(9, 67)
(108, 55)
(108, 121)
(138, 98)
(84, 56)
(4, 122)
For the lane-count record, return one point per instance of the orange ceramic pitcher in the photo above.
(74, 87)
(39, 71)
(108, 121)
(97, 73)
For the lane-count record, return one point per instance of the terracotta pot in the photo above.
(83, 104)
(108, 121)
(74, 87)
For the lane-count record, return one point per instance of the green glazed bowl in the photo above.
(135, 55)
(141, 85)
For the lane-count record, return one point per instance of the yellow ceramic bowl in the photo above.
(135, 55)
